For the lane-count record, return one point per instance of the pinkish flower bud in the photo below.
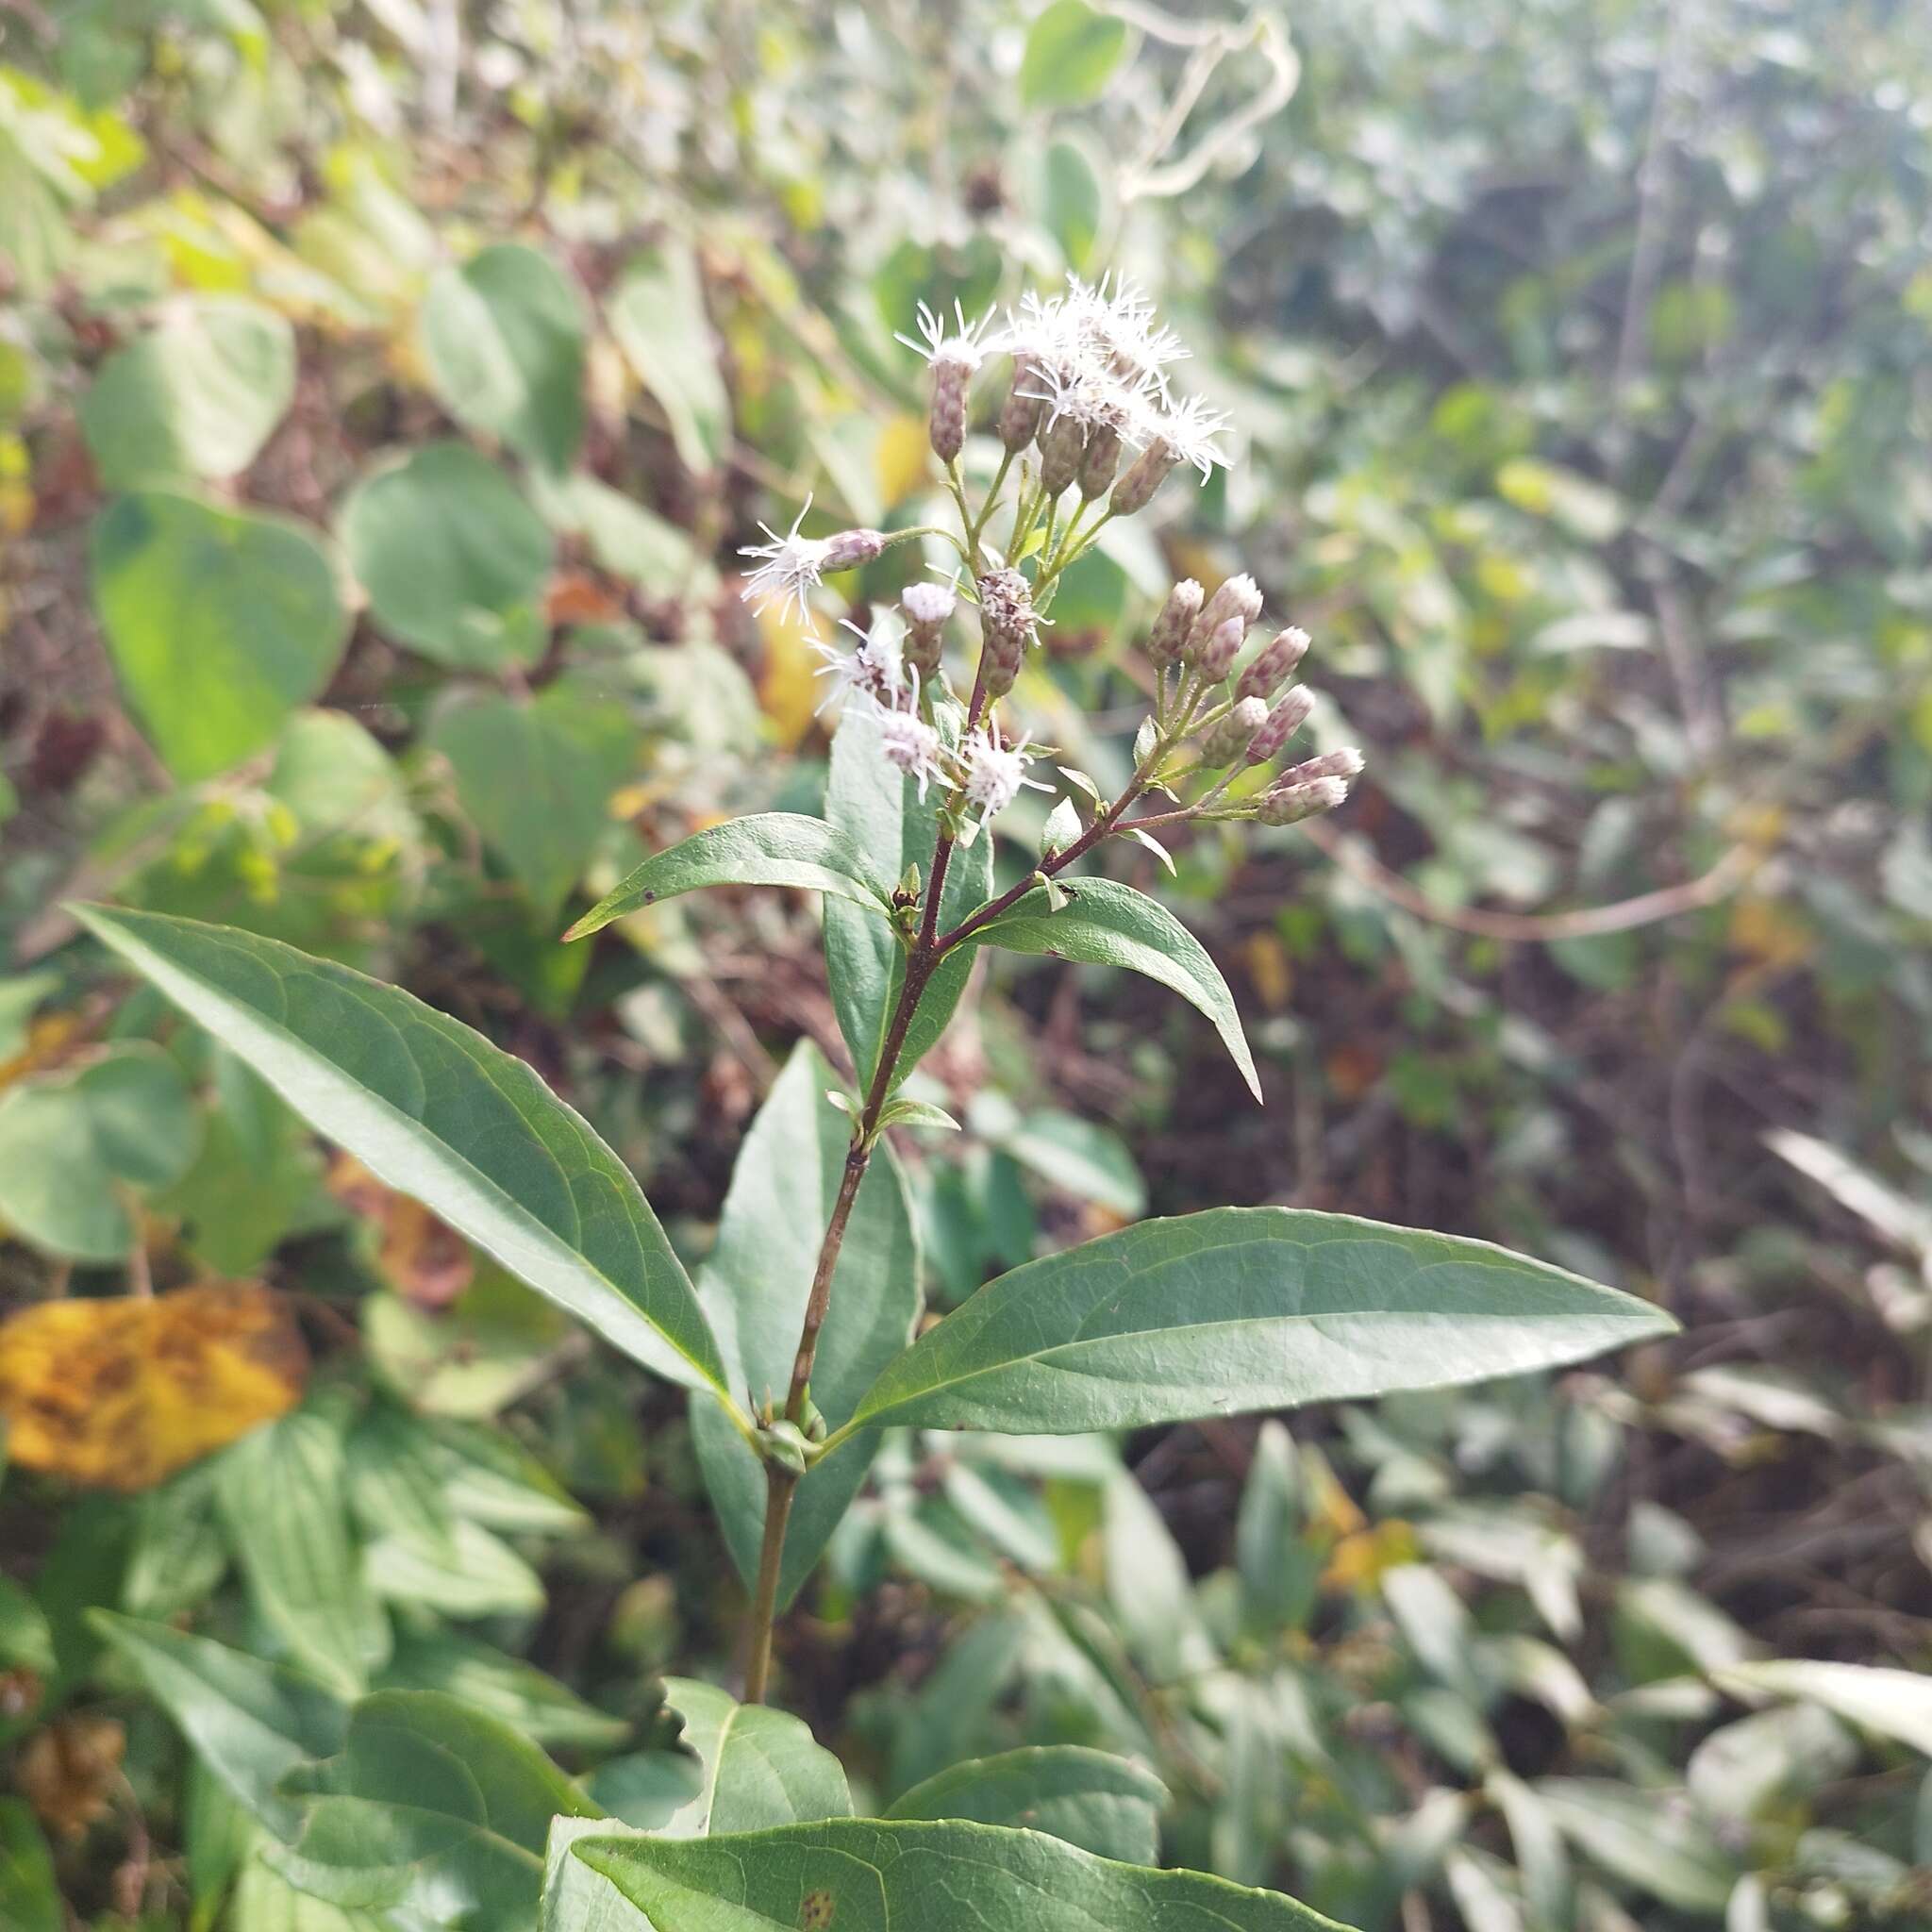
(1145, 474)
(1020, 413)
(948, 421)
(1006, 617)
(851, 547)
(1062, 443)
(1344, 764)
(1237, 597)
(1284, 720)
(1215, 658)
(1101, 459)
(1226, 741)
(1271, 668)
(1288, 805)
(1175, 621)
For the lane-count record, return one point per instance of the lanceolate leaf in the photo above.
(431, 1810)
(754, 1287)
(858, 1875)
(773, 848)
(1242, 1309)
(250, 1722)
(1107, 924)
(435, 1111)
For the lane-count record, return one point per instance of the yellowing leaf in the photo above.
(789, 691)
(1267, 961)
(123, 1392)
(1360, 1560)
(1764, 930)
(902, 456)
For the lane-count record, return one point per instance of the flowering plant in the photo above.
(797, 1339)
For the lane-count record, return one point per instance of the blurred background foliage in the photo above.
(384, 390)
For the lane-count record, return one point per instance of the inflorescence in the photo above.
(1090, 421)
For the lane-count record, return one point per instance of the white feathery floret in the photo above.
(965, 345)
(871, 667)
(994, 772)
(788, 566)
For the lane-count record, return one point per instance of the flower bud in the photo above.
(1284, 720)
(1288, 805)
(1145, 474)
(925, 609)
(1270, 671)
(1175, 621)
(1006, 617)
(948, 422)
(1101, 459)
(1226, 741)
(1215, 657)
(1344, 764)
(1062, 443)
(851, 547)
(1020, 413)
(1237, 597)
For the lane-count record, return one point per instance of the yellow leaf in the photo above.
(903, 455)
(1267, 961)
(1360, 1560)
(122, 1393)
(1766, 930)
(789, 689)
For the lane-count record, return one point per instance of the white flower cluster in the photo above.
(873, 675)
(1095, 353)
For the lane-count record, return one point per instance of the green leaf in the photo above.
(773, 848)
(431, 1809)
(657, 316)
(1111, 925)
(469, 1573)
(530, 1701)
(1102, 1803)
(761, 1767)
(264, 1901)
(435, 1111)
(1279, 1568)
(1070, 201)
(1079, 1157)
(249, 1723)
(29, 1895)
(1243, 1309)
(1891, 1704)
(73, 1144)
(1652, 1839)
(862, 1875)
(197, 395)
(755, 1286)
(505, 339)
(535, 778)
(1071, 50)
(454, 559)
(282, 1491)
(221, 622)
(880, 812)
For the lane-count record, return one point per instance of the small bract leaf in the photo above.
(773, 848)
(123, 1391)
(1111, 925)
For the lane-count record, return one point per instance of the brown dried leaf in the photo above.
(426, 1260)
(68, 1771)
(123, 1392)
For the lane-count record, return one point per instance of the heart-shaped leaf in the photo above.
(220, 622)
(504, 337)
(436, 1112)
(773, 848)
(197, 395)
(1242, 1309)
(454, 561)
(1107, 924)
